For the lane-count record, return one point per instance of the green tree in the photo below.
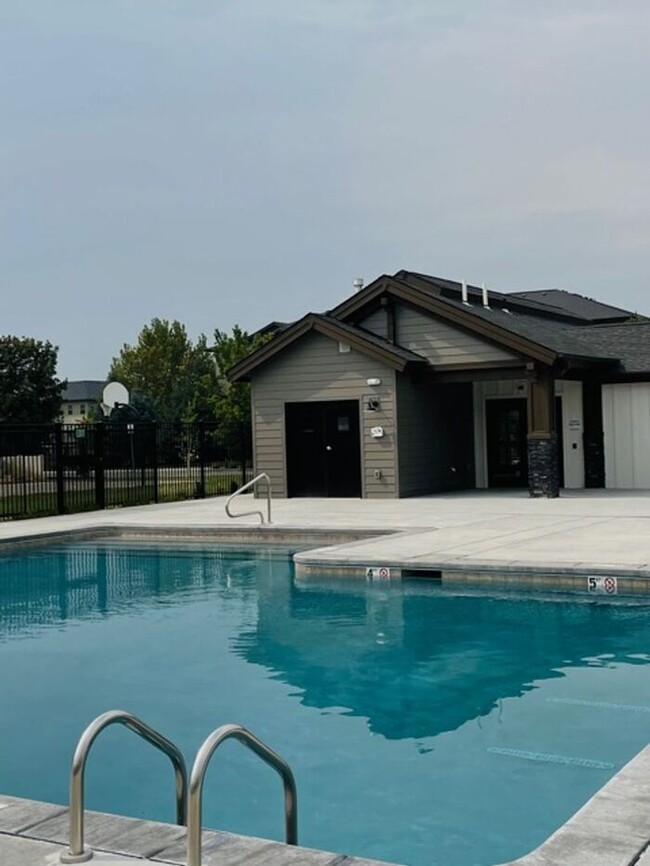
(164, 365)
(30, 392)
(231, 402)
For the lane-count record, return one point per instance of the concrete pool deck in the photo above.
(472, 534)
(582, 532)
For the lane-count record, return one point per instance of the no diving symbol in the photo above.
(602, 585)
(378, 573)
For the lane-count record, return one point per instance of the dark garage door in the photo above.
(323, 448)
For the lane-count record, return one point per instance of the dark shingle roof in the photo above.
(85, 389)
(561, 337)
(576, 305)
(552, 303)
(629, 342)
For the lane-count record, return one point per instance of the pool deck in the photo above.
(582, 532)
(475, 536)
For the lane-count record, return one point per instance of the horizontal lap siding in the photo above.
(415, 411)
(376, 322)
(443, 344)
(313, 369)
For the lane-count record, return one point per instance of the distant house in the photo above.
(78, 398)
(417, 384)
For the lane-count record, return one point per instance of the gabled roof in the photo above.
(358, 338)
(84, 389)
(494, 328)
(546, 325)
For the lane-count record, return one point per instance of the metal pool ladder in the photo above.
(77, 851)
(189, 800)
(261, 477)
(203, 756)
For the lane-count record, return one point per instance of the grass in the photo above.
(80, 494)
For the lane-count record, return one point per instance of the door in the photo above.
(323, 449)
(507, 445)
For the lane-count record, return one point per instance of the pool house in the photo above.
(416, 385)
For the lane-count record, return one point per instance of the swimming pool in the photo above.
(423, 726)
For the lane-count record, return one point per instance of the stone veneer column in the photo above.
(543, 466)
(543, 458)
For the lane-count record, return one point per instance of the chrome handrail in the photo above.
(203, 756)
(77, 852)
(260, 477)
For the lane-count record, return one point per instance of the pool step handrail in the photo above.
(261, 477)
(77, 851)
(195, 797)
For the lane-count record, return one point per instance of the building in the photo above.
(415, 385)
(78, 398)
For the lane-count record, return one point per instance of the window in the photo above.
(69, 408)
(82, 409)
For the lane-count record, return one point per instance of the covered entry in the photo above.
(323, 448)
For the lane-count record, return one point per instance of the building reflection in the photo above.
(417, 661)
(412, 659)
(43, 588)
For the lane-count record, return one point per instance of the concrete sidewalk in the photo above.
(605, 531)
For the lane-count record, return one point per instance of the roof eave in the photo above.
(311, 322)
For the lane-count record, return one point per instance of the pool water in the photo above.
(424, 727)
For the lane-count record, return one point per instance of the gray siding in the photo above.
(435, 437)
(314, 369)
(443, 344)
(376, 322)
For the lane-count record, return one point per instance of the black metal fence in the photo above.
(66, 468)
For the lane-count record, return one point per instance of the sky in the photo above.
(242, 161)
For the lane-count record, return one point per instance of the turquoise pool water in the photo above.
(424, 727)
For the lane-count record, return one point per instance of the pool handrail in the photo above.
(261, 477)
(197, 776)
(77, 851)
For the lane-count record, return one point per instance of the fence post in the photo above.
(58, 452)
(202, 458)
(154, 458)
(100, 485)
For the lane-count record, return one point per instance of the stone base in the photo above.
(543, 467)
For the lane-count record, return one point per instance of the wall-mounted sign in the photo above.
(575, 425)
(602, 585)
(377, 432)
(377, 573)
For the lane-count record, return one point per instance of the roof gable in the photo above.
(363, 341)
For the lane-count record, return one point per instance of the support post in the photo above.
(543, 458)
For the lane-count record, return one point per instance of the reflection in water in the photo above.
(48, 587)
(411, 658)
(417, 661)
(432, 711)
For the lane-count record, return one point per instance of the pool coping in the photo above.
(611, 829)
(32, 821)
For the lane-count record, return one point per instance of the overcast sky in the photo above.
(238, 161)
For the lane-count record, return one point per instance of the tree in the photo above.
(30, 392)
(165, 366)
(232, 401)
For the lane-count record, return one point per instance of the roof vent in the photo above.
(484, 292)
(463, 293)
(357, 283)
